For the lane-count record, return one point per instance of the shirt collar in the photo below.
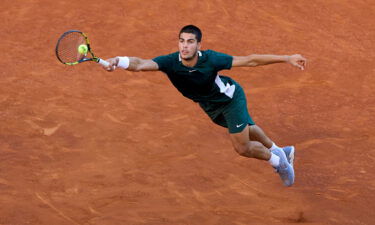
(179, 55)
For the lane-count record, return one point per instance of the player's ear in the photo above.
(199, 45)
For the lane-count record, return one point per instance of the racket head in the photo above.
(67, 48)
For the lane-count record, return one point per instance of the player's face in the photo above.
(188, 46)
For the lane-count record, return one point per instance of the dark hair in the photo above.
(192, 30)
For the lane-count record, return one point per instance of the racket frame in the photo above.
(84, 59)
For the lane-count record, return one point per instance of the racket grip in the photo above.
(103, 62)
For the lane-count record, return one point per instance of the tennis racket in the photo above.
(69, 49)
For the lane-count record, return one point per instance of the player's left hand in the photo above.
(298, 61)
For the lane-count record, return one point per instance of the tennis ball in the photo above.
(82, 49)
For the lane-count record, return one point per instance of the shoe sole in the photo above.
(291, 156)
(291, 160)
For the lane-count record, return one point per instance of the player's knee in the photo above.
(242, 148)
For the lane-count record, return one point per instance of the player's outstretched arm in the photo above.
(131, 63)
(259, 60)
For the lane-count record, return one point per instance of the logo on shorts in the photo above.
(239, 125)
(190, 71)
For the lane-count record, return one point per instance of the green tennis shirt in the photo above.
(200, 83)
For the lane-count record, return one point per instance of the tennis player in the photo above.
(194, 73)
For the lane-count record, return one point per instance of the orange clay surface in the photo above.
(81, 146)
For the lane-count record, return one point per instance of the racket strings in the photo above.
(67, 49)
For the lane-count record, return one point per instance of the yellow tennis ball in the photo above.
(82, 49)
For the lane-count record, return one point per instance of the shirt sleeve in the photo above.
(220, 60)
(164, 62)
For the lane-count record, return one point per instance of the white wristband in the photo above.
(123, 62)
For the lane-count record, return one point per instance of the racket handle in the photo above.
(103, 62)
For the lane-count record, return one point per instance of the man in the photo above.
(195, 74)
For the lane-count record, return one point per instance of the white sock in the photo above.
(274, 146)
(274, 160)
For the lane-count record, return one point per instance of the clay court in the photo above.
(81, 146)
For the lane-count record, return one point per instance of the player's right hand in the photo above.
(113, 62)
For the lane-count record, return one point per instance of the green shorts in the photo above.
(232, 114)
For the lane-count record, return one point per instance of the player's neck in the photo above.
(190, 62)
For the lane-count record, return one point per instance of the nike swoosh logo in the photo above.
(190, 71)
(239, 125)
